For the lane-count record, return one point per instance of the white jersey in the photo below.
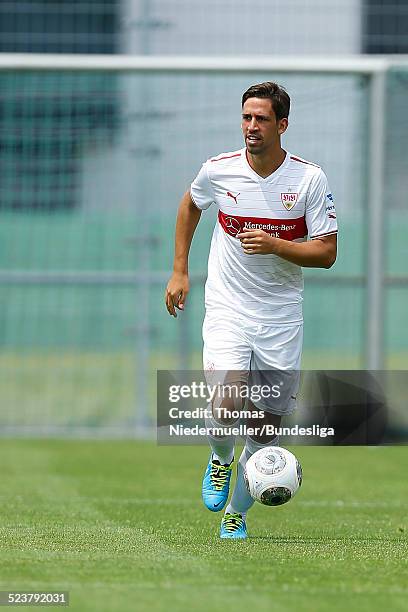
(292, 203)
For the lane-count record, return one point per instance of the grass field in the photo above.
(121, 526)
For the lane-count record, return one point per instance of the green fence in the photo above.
(92, 170)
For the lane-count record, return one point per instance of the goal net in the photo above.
(94, 158)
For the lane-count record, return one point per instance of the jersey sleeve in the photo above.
(321, 218)
(201, 190)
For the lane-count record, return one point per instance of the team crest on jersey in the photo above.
(289, 199)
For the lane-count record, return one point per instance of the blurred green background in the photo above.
(92, 168)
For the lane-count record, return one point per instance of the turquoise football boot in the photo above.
(216, 484)
(233, 526)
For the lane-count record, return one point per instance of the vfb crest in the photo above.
(289, 199)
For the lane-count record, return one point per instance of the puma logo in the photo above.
(234, 197)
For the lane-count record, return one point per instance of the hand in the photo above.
(176, 292)
(257, 242)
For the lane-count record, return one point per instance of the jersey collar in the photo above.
(270, 177)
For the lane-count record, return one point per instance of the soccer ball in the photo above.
(273, 475)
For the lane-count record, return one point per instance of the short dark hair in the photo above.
(275, 93)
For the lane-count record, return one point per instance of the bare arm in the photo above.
(178, 286)
(316, 253)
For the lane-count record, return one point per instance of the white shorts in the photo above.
(270, 353)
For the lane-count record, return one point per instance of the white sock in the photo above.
(241, 501)
(222, 446)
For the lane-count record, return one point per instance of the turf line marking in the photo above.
(192, 502)
(225, 587)
(351, 504)
(154, 501)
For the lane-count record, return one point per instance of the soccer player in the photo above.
(275, 215)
